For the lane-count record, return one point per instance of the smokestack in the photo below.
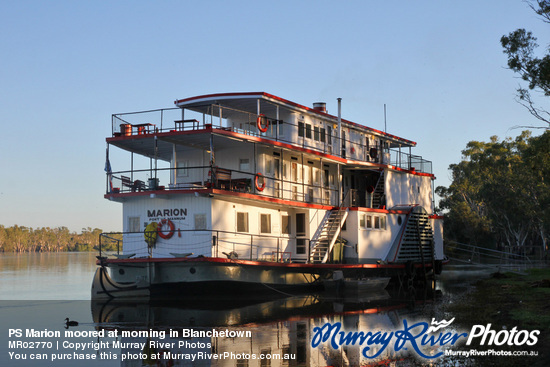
(340, 125)
(320, 106)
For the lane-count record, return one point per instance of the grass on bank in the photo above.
(507, 300)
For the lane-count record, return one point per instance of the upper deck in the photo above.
(211, 131)
(264, 116)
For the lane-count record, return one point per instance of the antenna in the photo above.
(385, 126)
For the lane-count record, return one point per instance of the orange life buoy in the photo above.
(257, 182)
(170, 233)
(261, 117)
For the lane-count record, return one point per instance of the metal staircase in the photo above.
(378, 193)
(326, 235)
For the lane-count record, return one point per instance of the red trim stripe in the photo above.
(218, 260)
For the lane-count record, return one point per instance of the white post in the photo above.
(340, 127)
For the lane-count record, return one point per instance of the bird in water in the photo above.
(70, 323)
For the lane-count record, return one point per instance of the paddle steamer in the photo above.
(250, 192)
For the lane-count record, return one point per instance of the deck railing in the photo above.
(208, 243)
(206, 177)
(178, 120)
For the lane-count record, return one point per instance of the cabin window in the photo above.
(276, 167)
(183, 170)
(316, 176)
(362, 221)
(300, 224)
(300, 246)
(316, 133)
(133, 224)
(280, 124)
(244, 164)
(265, 223)
(329, 130)
(200, 221)
(285, 224)
(242, 222)
(268, 164)
(323, 135)
(308, 131)
(375, 222)
(301, 128)
(295, 193)
(307, 174)
(294, 171)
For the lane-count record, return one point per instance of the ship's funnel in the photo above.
(320, 106)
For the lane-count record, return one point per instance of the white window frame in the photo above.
(268, 229)
(246, 222)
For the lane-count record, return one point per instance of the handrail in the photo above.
(137, 182)
(214, 241)
(403, 160)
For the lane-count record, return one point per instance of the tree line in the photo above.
(500, 194)
(26, 239)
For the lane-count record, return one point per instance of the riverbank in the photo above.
(508, 300)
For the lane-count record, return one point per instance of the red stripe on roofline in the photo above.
(214, 95)
(286, 101)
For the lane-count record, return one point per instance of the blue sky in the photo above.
(66, 66)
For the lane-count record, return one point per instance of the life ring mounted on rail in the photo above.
(259, 186)
(170, 233)
(259, 122)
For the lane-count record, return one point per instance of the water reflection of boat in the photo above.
(338, 284)
(282, 328)
(216, 312)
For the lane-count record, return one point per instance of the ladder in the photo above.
(378, 192)
(327, 234)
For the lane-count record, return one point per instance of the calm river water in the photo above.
(38, 291)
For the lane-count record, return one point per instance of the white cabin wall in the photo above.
(224, 218)
(189, 157)
(405, 189)
(312, 123)
(185, 212)
(369, 244)
(229, 158)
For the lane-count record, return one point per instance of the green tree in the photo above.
(500, 193)
(520, 47)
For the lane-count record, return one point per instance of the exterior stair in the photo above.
(326, 235)
(378, 194)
